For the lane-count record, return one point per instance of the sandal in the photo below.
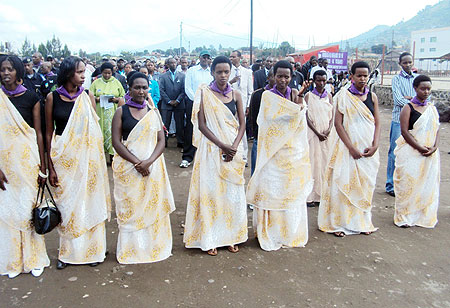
(339, 234)
(233, 249)
(212, 252)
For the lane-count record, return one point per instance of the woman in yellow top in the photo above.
(109, 93)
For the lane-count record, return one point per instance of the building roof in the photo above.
(430, 30)
(313, 49)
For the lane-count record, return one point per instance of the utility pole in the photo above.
(181, 36)
(382, 64)
(392, 51)
(251, 32)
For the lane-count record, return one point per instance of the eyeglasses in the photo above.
(206, 57)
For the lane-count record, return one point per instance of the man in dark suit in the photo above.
(171, 87)
(260, 77)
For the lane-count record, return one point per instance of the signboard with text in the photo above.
(336, 60)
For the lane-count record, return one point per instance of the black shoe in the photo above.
(179, 145)
(391, 193)
(61, 265)
(310, 204)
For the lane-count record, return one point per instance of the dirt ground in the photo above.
(393, 267)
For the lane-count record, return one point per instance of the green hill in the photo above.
(432, 16)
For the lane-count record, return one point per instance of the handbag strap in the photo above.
(50, 193)
(41, 194)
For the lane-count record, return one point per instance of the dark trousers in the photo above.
(188, 148)
(178, 115)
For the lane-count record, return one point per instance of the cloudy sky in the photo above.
(129, 25)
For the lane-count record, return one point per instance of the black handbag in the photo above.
(45, 218)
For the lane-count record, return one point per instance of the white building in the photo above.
(430, 48)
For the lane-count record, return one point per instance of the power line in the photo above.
(222, 34)
(231, 9)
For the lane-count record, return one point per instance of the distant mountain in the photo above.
(432, 16)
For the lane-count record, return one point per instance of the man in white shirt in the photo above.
(195, 76)
(322, 65)
(241, 79)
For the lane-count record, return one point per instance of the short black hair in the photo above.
(360, 64)
(218, 60)
(419, 79)
(282, 64)
(67, 69)
(16, 63)
(105, 66)
(238, 53)
(319, 73)
(312, 58)
(136, 75)
(256, 67)
(403, 55)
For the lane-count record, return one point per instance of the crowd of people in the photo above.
(314, 135)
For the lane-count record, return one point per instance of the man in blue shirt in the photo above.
(403, 92)
(195, 76)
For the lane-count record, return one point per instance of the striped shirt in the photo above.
(402, 85)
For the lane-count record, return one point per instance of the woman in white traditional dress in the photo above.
(22, 167)
(353, 161)
(77, 168)
(282, 179)
(216, 211)
(320, 121)
(142, 191)
(417, 163)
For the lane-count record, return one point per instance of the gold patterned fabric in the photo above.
(143, 204)
(82, 196)
(349, 183)
(22, 250)
(216, 210)
(416, 177)
(282, 179)
(320, 112)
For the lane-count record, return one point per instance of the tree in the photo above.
(126, 55)
(285, 48)
(177, 50)
(65, 52)
(43, 50)
(169, 52)
(27, 50)
(378, 49)
(56, 47)
(81, 53)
